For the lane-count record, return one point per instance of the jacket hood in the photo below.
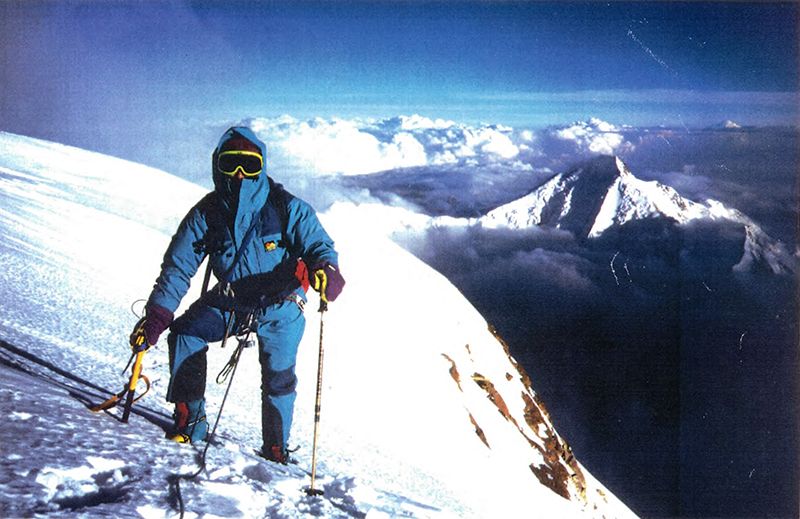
(243, 199)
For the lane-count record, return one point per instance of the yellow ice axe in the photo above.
(129, 391)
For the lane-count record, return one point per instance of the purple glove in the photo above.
(327, 280)
(156, 319)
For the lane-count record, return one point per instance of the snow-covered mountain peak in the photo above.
(574, 201)
(727, 124)
(601, 169)
(602, 193)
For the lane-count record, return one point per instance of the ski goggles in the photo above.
(250, 163)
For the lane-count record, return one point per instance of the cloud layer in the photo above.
(364, 146)
(592, 136)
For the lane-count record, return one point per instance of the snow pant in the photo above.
(279, 329)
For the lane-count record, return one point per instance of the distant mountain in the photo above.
(602, 193)
(727, 125)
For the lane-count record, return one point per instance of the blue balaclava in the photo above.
(242, 198)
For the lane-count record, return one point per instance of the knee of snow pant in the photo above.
(278, 383)
(187, 366)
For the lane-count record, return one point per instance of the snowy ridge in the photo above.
(424, 412)
(602, 193)
(553, 463)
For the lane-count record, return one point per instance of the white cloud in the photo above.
(494, 141)
(338, 146)
(359, 146)
(595, 136)
(418, 122)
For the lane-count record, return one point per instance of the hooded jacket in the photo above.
(261, 263)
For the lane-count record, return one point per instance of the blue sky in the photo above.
(110, 71)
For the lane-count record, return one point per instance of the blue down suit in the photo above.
(254, 245)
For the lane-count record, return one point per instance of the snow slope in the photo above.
(602, 192)
(424, 413)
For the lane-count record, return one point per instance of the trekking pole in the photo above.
(323, 306)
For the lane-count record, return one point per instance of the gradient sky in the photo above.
(102, 73)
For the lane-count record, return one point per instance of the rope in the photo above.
(138, 315)
(176, 478)
(233, 361)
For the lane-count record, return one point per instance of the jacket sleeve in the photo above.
(181, 261)
(310, 240)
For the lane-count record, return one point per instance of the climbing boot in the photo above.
(190, 422)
